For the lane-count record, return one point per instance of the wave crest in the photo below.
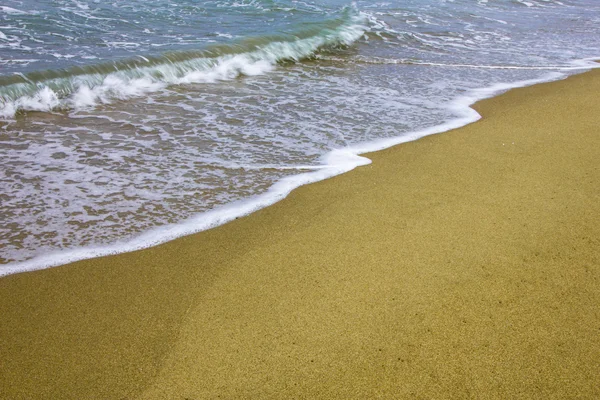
(85, 87)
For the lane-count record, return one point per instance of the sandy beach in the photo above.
(461, 265)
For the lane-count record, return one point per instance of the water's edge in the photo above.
(335, 163)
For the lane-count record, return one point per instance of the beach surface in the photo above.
(461, 265)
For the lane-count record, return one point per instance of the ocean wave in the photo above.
(85, 87)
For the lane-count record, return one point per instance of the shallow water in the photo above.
(124, 125)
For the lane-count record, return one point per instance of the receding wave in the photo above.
(87, 86)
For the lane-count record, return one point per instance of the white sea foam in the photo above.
(10, 10)
(526, 3)
(44, 100)
(112, 87)
(335, 162)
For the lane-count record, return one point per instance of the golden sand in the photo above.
(462, 265)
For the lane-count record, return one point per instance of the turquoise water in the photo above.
(124, 124)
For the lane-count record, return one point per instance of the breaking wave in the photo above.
(85, 87)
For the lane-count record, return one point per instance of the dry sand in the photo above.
(462, 265)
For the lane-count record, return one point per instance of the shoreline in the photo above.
(338, 161)
(458, 265)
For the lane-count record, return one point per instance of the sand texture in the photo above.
(462, 265)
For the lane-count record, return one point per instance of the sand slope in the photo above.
(462, 265)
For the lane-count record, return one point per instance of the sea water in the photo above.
(124, 124)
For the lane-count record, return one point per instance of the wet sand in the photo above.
(462, 265)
